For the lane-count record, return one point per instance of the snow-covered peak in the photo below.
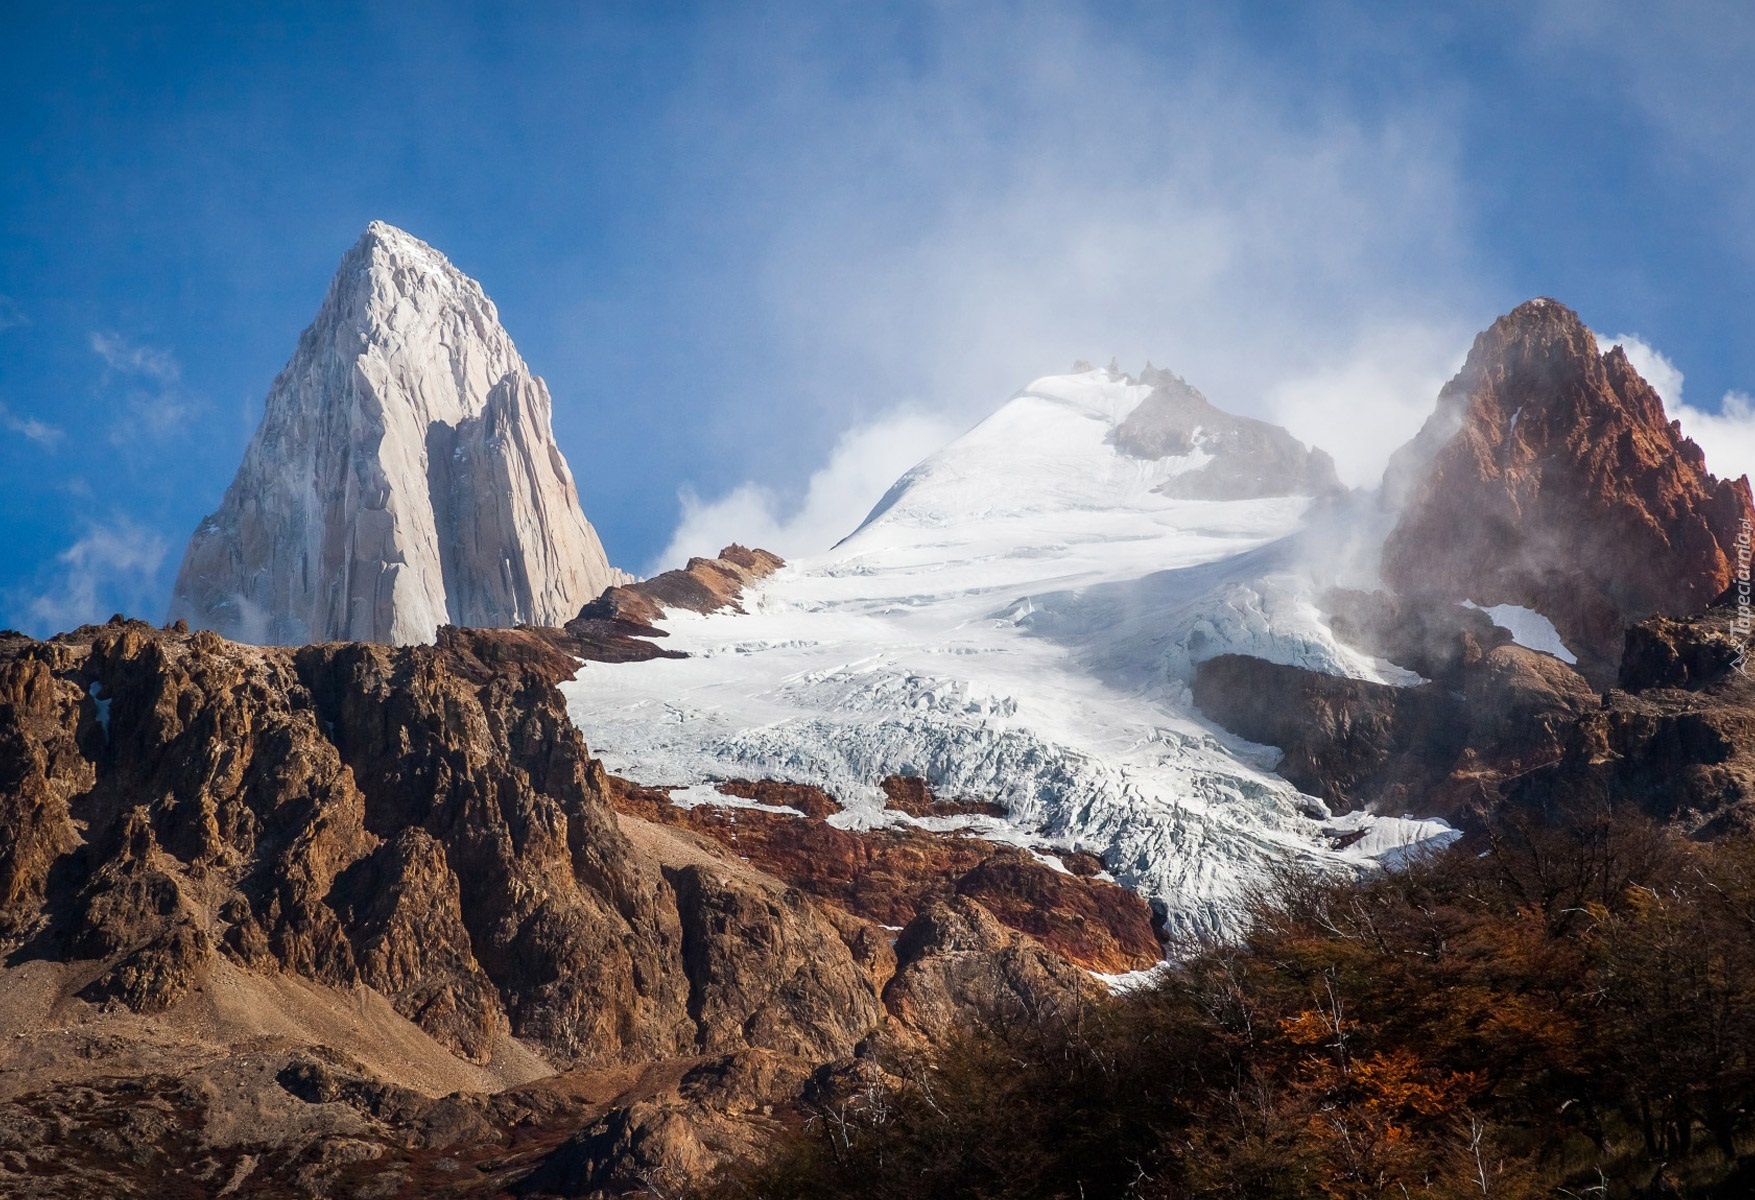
(1099, 440)
(404, 305)
(1050, 448)
(1017, 621)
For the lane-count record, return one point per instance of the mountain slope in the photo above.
(296, 917)
(1016, 624)
(404, 476)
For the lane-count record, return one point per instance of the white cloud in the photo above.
(132, 358)
(1652, 365)
(30, 428)
(11, 315)
(1294, 257)
(113, 568)
(150, 378)
(1364, 404)
(1726, 435)
(862, 466)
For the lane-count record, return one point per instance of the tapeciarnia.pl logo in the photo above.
(1743, 625)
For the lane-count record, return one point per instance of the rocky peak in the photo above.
(1238, 458)
(1550, 477)
(404, 475)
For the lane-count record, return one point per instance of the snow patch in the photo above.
(103, 709)
(1390, 841)
(1528, 628)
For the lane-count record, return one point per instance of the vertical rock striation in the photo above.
(404, 476)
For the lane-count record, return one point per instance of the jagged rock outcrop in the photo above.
(1675, 739)
(422, 821)
(1491, 710)
(316, 904)
(955, 959)
(913, 795)
(405, 475)
(671, 1135)
(888, 876)
(1550, 477)
(1243, 458)
(1503, 729)
(621, 625)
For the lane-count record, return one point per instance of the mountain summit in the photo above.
(1236, 458)
(404, 476)
(1550, 477)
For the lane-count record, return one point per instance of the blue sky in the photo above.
(768, 255)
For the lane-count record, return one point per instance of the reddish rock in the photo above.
(1081, 862)
(620, 624)
(418, 820)
(886, 875)
(955, 959)
(1550, 477)
(913, 795)
(811, 801)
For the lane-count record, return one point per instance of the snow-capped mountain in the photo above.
(405, 475)
(1017, 621)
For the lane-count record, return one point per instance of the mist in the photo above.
(1294, 258)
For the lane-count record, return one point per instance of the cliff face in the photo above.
(1489, 711)
(1550, 477)
(405, 475)
(309, 915)
(1674, 739)
(420, 821)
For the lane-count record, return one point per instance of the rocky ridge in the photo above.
(1550, 477)
(1231, 457)
(405, 475)
(1488, 710)
(623, 623)
(357, 914)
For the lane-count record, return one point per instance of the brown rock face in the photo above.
(671, 1135)
(887, 876)
(421, 821)
(1491, 711)
(1675, 740)
(1349, 741)
(955, 959)
(811, 801)
(766, 970)
(1550, 477)
(620, 624)
(913, 795)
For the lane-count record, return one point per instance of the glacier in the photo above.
(1018, 620)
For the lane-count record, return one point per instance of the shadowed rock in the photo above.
(1232, 457)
